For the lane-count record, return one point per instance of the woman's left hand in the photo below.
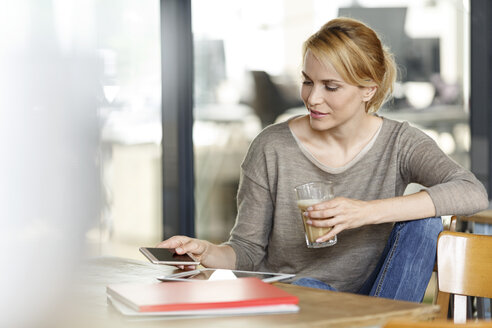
(339, 213)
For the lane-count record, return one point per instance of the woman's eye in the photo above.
(332, 89)
(307, 82)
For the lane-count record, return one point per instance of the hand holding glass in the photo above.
(308, 195)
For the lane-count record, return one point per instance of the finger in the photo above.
(330, 235)
(327, 204)
(193, 247)
(320, 206)
(333, 232)
(322, 214)
(173, 242)
(190, 267)
(326, 223)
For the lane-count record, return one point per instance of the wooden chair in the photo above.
(479, 223)
(441, 298)
(464, 268)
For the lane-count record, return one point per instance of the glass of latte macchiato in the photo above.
(308, 195)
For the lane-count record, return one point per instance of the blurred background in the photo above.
(81, 110)
(247, 61)
(247, 75)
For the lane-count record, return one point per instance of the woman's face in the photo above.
(330, 100)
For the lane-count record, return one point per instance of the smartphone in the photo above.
(167, 256)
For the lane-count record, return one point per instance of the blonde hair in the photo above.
(357, 54)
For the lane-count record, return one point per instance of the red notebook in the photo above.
(199, 295)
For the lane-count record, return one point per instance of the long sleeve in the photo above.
(255, 203)
(269, 236)
(249, 237)
(453, 189)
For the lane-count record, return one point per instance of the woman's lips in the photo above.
(316, 114)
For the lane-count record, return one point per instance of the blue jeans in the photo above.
(405, 266)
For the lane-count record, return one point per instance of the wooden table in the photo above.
(481, 217)
(318, 308)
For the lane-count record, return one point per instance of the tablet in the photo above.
(222, 274)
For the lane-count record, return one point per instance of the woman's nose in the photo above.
(315, 96)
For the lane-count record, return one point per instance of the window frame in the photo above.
(178, 201)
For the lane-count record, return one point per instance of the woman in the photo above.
(386, 241)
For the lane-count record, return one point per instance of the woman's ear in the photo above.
(368, 93)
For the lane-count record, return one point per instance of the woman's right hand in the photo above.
(196, 248)
(208, 254)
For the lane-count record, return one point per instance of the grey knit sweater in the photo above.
(268, 234)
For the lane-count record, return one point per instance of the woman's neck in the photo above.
(337, 146)
(356, 131)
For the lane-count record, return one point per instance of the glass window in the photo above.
(128, 47)
(247, 69)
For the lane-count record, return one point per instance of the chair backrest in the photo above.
(270, 100)
(464, 268)
(441, 298)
